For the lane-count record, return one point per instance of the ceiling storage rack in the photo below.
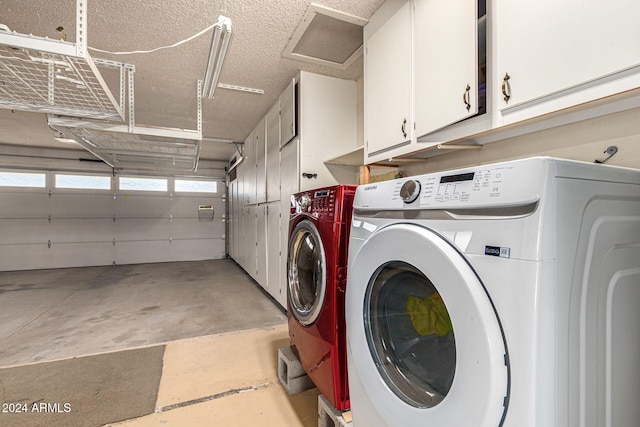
(134, 147)
(55, 76)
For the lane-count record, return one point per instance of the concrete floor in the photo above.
(54, 314)
(228, 380)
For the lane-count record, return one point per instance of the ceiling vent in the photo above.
(327, 37)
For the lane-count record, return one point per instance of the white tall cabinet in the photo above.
(313, 120)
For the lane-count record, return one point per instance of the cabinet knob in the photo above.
(466, 98)
(403, 128)
(506, 88)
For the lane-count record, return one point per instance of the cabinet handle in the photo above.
(309, 175)
(506, 88)
(403, 128)
(466, 97)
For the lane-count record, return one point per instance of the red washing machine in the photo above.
(317, 276)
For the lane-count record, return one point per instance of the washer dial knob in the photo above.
(305, 201)
(410, 191)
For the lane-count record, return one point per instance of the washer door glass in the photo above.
(307, 272)
(410, 334)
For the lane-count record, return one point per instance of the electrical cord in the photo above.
(218, 22)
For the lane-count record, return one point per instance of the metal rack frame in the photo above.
(133, 147)
(57, 77)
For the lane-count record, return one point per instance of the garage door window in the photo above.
(21, 179)
(196, 186)
(85, 182)
(142, 184)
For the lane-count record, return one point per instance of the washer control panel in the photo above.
(506, 183)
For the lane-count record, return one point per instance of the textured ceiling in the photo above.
(165, 81)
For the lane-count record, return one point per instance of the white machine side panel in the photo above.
(599, 228)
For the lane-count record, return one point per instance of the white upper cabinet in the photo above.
(446, 63)
(558, 54)
(425, 70)
(327, 126)
(388, 83)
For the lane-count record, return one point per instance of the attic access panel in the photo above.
(141, 148)
(327, 37)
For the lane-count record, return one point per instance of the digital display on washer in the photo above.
(456, 178)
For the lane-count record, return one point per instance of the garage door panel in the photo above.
(142, 206)
(192, 228)
(149, 227)
(24, 205)
(24, 257)
(15, 231)
(81, 254)
(131, 229)
(82, 205)
(81, 230)
(140, 252)
(184, 250)
(187, 207)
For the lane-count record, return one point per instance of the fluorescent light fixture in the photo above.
(219, 44)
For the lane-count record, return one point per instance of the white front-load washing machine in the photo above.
(498, 295)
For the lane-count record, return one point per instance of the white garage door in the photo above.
(51, 220)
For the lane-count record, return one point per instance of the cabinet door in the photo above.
(285, 217)
(249, 168)
(276, 287)
(289, 173)
(250, 242)
(446, 64)
(261, 163)
(388, 64)
(261, 245)
(548, 47)
(328, 126)
(232, 222)
(288, 113)
(289, 169)
(273, 153)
